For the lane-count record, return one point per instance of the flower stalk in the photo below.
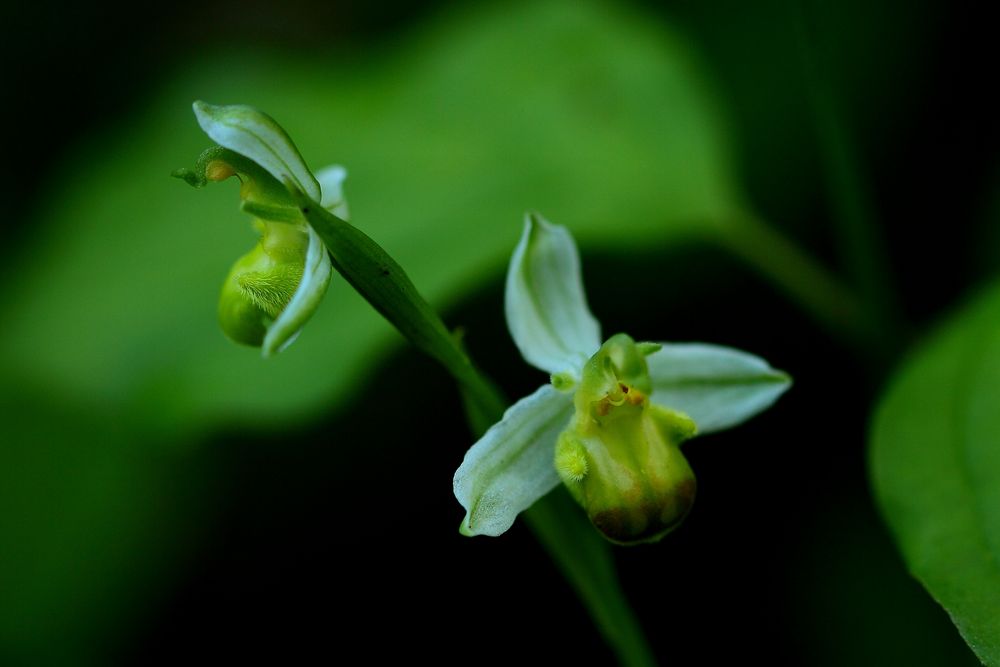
(583, 557)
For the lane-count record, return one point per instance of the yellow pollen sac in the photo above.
(635, 397)
(217, 170)
(626, 395)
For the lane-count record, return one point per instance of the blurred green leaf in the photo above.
(597, 117)
(87, 512)
(936, 469)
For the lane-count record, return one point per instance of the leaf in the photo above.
(510, 467)
(719, 387)
(935, 466)
(545, 302)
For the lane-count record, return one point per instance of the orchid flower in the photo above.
(610, 422)
(273, 290)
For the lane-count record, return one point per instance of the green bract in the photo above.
(271, 291)
(611, 421)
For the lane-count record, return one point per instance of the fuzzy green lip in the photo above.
(620, 456)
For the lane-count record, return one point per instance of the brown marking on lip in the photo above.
(650, 520)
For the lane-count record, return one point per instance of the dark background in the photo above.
(784, 557)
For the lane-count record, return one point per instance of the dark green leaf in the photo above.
(936, 469)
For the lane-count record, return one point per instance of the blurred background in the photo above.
(165, 494)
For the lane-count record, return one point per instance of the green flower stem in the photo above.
(854, 216)
(585, 559)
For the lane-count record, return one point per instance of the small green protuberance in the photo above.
(646, 349)
(563, 382)
(189, 176)
(677, 425)
(620, 458)
(571, 457)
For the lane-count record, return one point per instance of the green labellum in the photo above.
(620, 458)
(262, 282)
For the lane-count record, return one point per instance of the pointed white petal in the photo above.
(546, 306)
(719, 387)
(312, 287)
(512, 464)
(331, 182)
(257, 136)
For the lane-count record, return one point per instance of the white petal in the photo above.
(546, 307)
(717, 386)
(331, 182)
(512, 465)
(312, 287)
(257, 136)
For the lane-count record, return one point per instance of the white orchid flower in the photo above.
(610, 422)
